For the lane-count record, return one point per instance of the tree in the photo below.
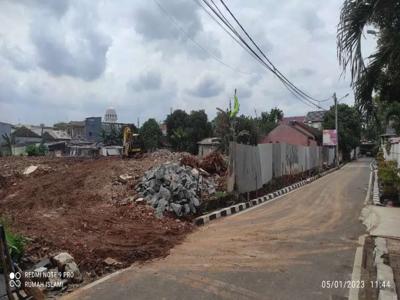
(246, 130)
(113, 136)
(199, 128)
(185, 131)
(222, 129)
(349, 123)
(177, 124)
(150, 134)
(9, 141)
(382, 73)
(61, 126)
(269, 120)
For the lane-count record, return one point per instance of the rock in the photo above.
(126, 201)
(164, 193)
(62, 259)
(177, 208)
(55, 281)
(30, 170)
(195, 202)
(112, 262)
(40, 270)
(187, 209)
(195, 173)
(72, 268)
(139, 200)
(175, 188)
(43, 263)
(162, 204)
(124, 178)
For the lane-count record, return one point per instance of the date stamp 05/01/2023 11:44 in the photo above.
(351, 284)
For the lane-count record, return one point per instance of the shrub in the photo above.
(16, 243)
(33, 150)
(388, 177)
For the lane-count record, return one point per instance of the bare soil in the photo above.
(72, 205)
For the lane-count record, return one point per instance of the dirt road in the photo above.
(281, 250)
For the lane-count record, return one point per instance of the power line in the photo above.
(262, 53)
(299, 94)
(173, 20)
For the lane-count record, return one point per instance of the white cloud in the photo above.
(72, 59)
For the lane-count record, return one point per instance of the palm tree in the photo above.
(381, 72)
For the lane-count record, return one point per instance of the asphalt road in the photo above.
(281, 250)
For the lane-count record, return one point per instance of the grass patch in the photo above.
(15, 242)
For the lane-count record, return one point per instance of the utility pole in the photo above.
(337, 130)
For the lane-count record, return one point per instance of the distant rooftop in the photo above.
(315, 116)
(287, 120)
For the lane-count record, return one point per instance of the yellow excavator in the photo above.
(131, 145)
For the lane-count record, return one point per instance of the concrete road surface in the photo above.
(284, 249)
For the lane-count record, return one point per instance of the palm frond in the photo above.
(355, 16)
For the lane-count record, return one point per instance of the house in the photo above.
(76, 130)
(49, 134)
(24, 136)
(208, 146)
(287, 120)
(93, 129)
(294, 133)
(315, 119)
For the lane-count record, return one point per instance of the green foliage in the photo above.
(185, 131)
(61, 126)
(349, 122)
(269, 121)
(388, 177)
(150, 134)
(16, 243)
(33, 150)
(380, 74)
(222, 129)
(246, 130)
(112, 137)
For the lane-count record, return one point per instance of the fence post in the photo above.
(231, 180)
(4, 261)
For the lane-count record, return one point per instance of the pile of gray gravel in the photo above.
(175, 188)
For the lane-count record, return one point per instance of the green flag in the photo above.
(236, 107)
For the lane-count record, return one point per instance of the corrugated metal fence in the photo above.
(257, 165)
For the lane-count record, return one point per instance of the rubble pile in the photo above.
(190, 160)
(214, 163)
(53, 274)
(165, 154)
(175, 188)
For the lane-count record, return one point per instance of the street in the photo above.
(284, 249)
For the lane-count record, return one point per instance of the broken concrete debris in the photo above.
(174, 188)
(66, 263)
(124, 178)
(30, 170)
(111, 261)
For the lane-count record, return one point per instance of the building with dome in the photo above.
(110, 116)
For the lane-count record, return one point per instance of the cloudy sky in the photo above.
(67, 60)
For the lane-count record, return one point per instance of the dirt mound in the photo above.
(70, 207)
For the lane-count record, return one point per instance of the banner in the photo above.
(329, 137)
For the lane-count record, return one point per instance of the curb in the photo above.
(384, 271)
(375, 193)
(231, 210)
